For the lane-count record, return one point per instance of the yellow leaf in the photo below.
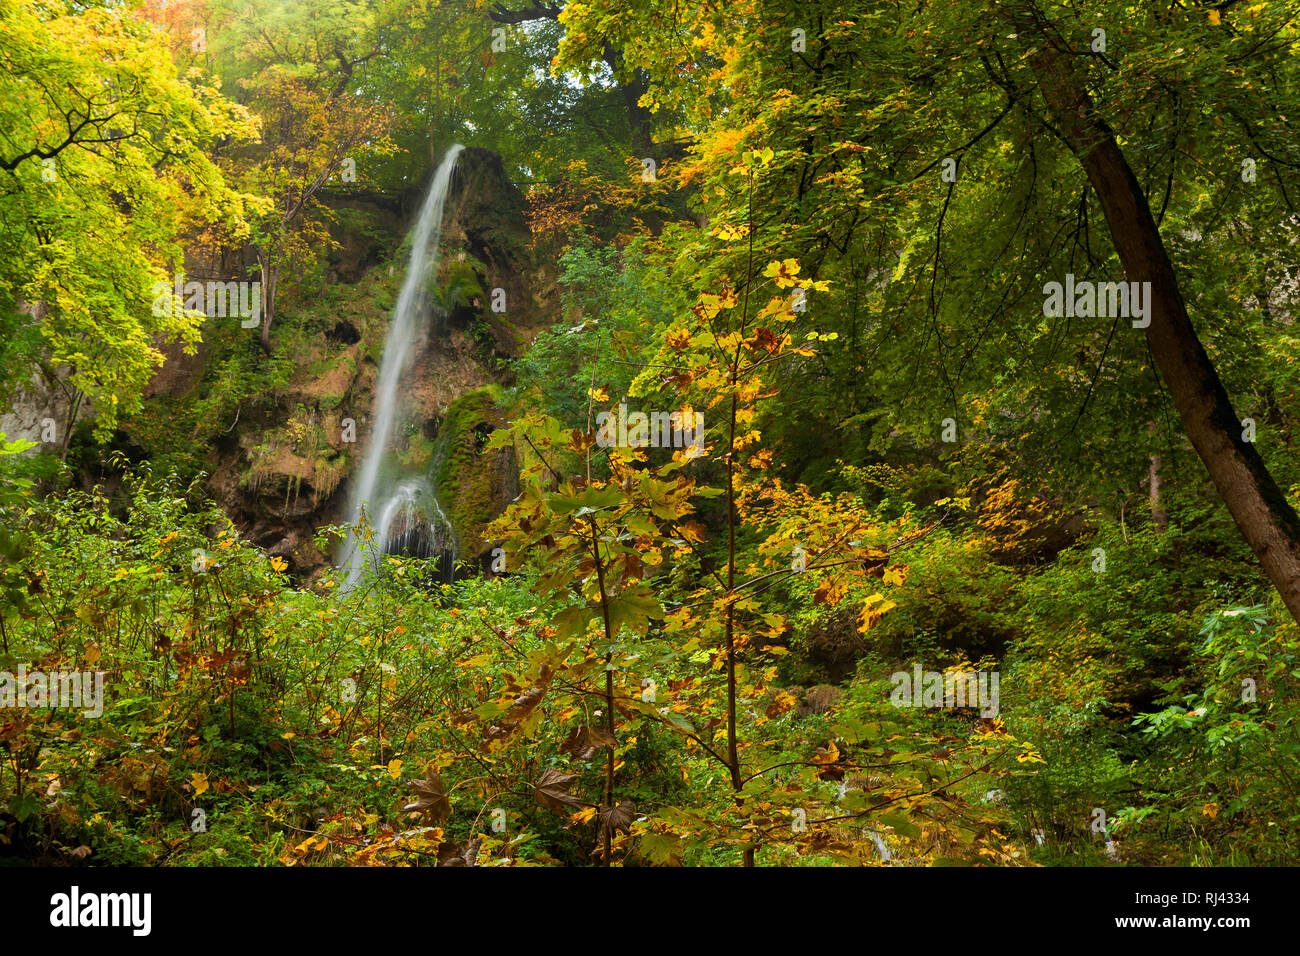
(1215, 17)
(827, 755)
(199, 781)
(277, 562)
(394, 768)
(784, 271)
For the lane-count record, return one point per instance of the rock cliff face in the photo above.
(283, 467)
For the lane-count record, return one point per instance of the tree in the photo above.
(944, 162)
(102, 175)
(1265, 518)
(632, 83)
(295, 66)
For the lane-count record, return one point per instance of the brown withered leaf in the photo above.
(13, 729)
(765, 339)
(875, 562)
(432, 798)
(585, 742)
(576, 745)
(619, 817)
(553, 790)
(829, 592)
(521, 706)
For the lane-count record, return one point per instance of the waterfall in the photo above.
(410, 519)
(881, 849)
(879, 841)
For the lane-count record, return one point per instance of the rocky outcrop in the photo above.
(486, 231)
(281, 460)
(475, 483)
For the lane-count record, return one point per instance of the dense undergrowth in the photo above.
(249, 722)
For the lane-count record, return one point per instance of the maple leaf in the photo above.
(618, 818)
(781, 703)
(678, 339)
(828, 592)
(826, 755)
(553, 790)
(432, 798)
(582, 816)
(764, 339)
(585, 742)
(523, 705)
(783, 271)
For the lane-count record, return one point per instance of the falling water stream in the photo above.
(403, 509)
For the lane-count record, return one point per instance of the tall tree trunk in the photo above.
(269, 275)
(1266, 520)
(1158, 513)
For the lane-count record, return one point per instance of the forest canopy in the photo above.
(760, 433)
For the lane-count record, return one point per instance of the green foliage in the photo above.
(105, 166)
(691, 656)
(609, 296)
(1226, 746)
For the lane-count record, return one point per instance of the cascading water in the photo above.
(409, 517)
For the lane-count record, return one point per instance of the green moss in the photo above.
(418, 454)
(458, 285)
(468, 482)
(328, 473)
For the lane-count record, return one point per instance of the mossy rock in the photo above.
(418, 454)
(474, 484)
(457, 284)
